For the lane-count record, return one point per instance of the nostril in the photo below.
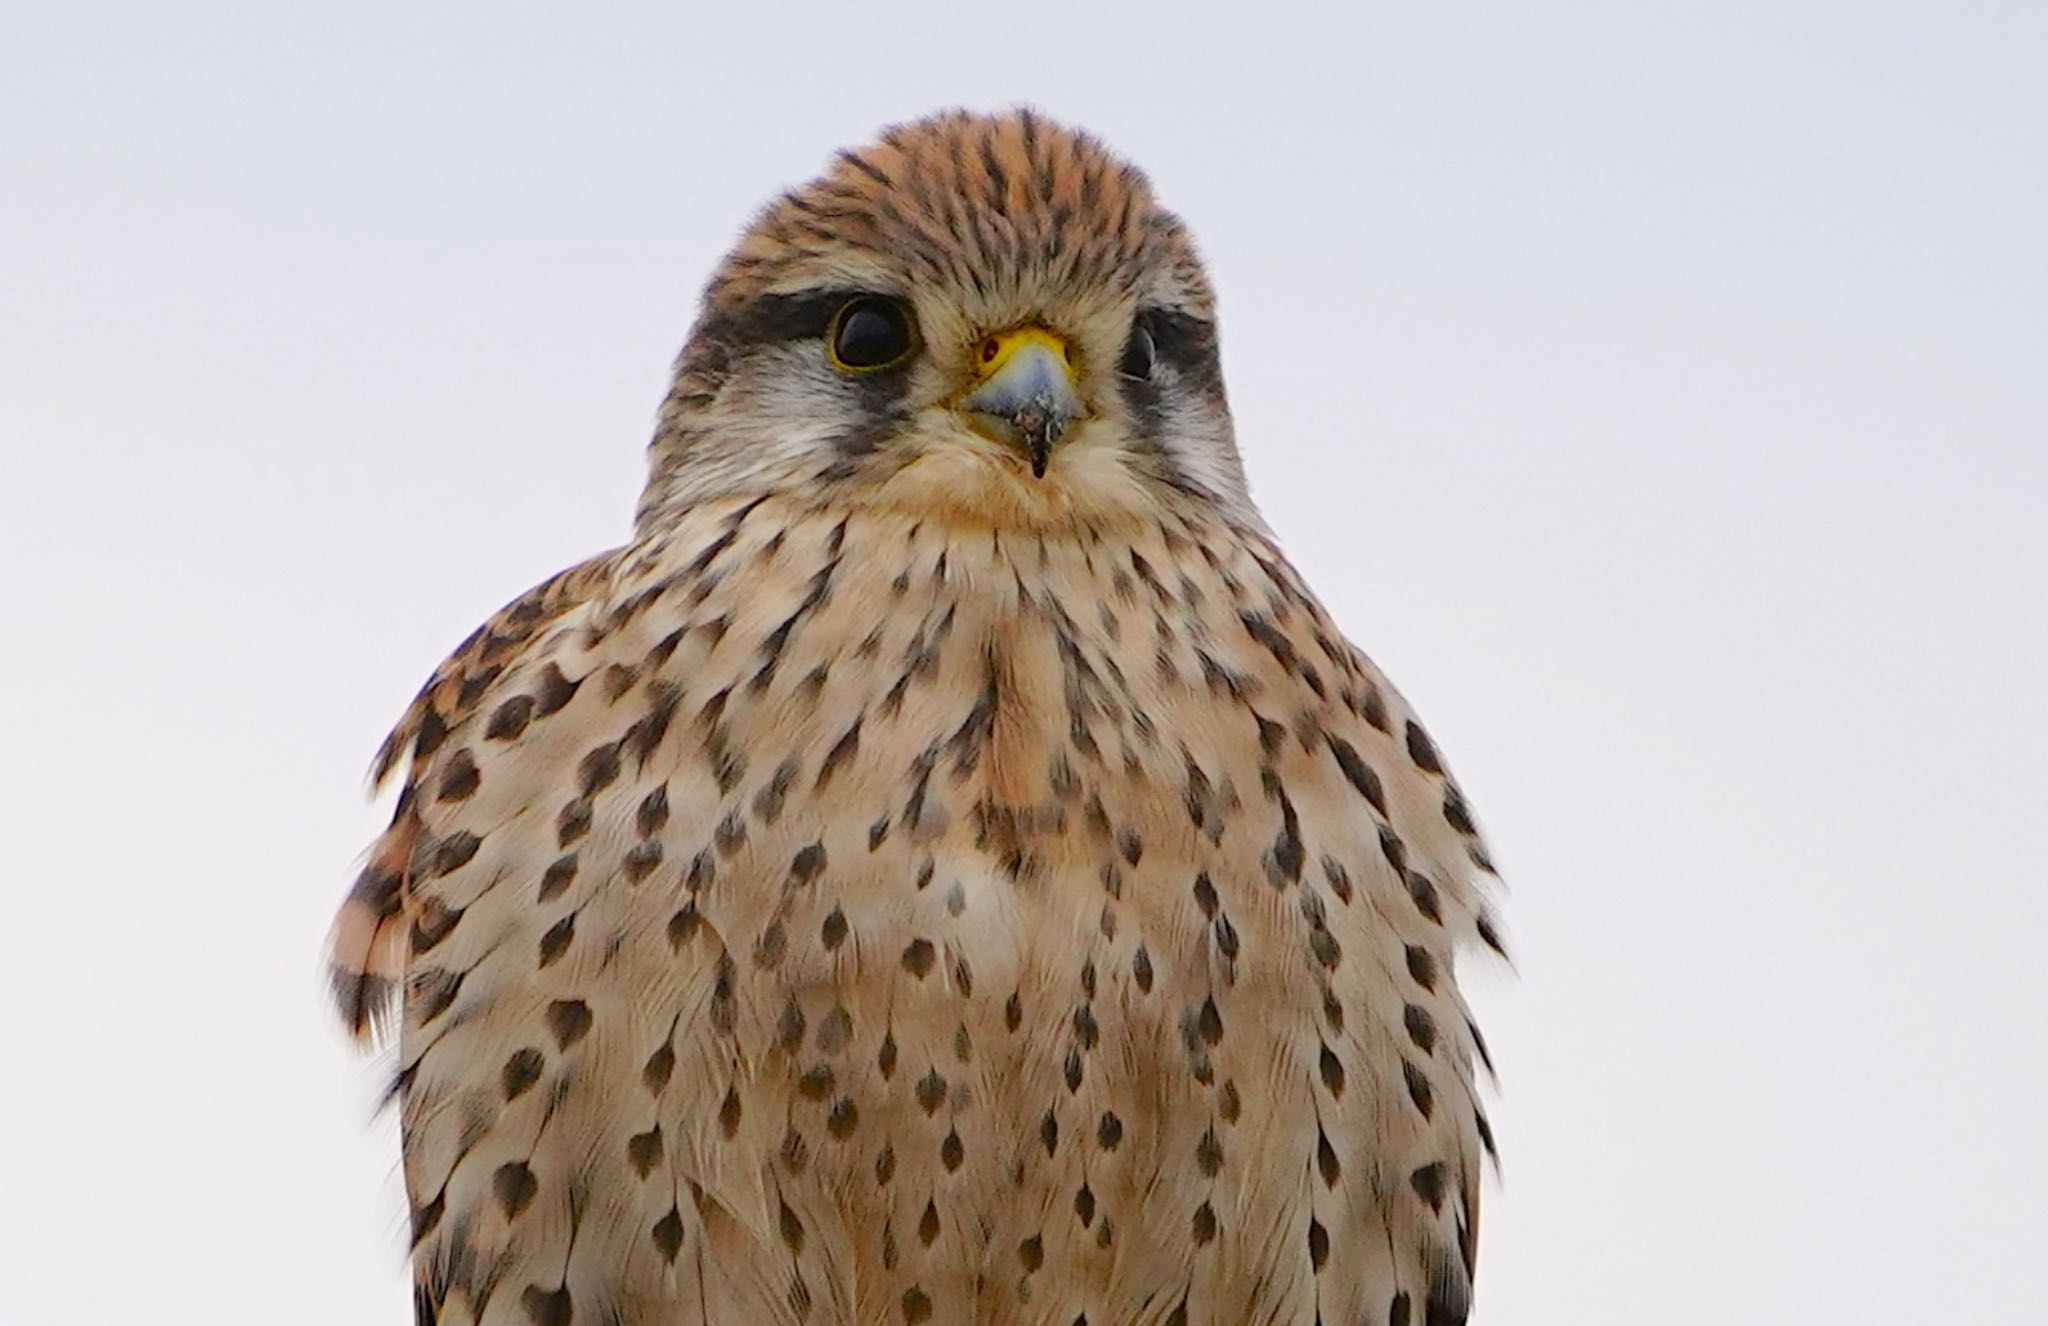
(989, 349)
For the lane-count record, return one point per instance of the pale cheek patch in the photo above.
(1197, 438)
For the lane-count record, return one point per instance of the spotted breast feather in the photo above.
(841, 918)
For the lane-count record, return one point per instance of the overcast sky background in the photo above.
(1659, 391)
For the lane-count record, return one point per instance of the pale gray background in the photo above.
(1656, 389)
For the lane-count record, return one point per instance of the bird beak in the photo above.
(1024, 393)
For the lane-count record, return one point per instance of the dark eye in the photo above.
(870, 333)
(1139, 353)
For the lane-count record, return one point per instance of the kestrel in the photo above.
(946, 867)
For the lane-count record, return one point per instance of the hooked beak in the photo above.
(1025, 394)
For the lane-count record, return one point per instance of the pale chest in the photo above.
(982, 916)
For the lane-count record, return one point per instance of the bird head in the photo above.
(981, 317)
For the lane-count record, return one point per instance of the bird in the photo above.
(946, 866)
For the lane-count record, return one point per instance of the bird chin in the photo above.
(968, 479)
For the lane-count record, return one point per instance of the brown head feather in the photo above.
(978, 223)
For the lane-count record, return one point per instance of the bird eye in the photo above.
(1139, 353)
(870, 333)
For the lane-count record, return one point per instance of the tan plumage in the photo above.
(898, 888)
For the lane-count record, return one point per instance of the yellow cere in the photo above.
(999, 349)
